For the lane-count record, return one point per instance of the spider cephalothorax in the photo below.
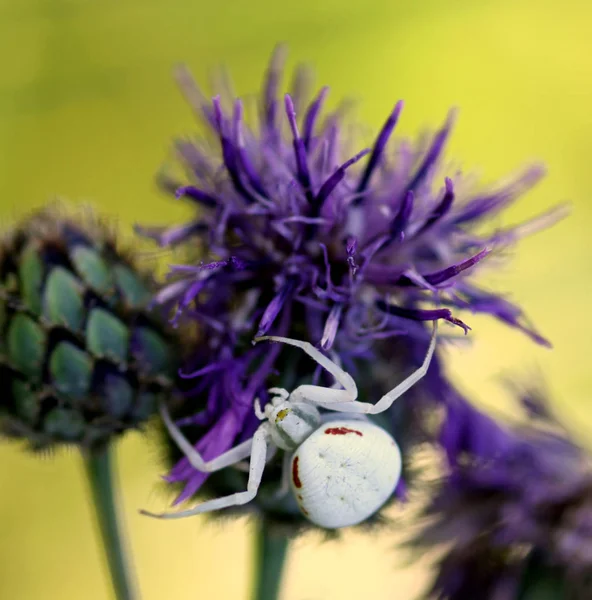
(341, 469)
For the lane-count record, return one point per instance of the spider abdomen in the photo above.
(344, 472)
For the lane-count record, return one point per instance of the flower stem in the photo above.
(99, 471)
(541, 581)
(270, 555)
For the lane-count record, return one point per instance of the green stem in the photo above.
(270, 555)
(541, 581)
(100, 476)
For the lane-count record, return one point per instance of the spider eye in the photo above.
(282, 415)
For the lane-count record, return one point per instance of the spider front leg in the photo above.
(386, 401)
(345, 400)
(258, 457)
(231, 457)
(317, 394)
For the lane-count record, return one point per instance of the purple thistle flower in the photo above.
(515, 504)
(351, 250)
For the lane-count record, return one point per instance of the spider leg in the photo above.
(345, 400)
(259, 412)
(280, 392)
(386, 401)
(320, 396)
(243, 465)
(255, 474)
(231, 457)
(338, 416)
(350, 391)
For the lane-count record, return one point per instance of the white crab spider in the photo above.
(341, 469)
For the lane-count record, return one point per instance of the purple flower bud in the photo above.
(512, 496)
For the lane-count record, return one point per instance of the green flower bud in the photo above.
(82, 356)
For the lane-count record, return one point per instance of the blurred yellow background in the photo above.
(87, 109)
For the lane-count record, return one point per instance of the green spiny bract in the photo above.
(82, 358)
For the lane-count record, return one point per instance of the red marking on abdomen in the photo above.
(304, 511)
(295, 476)
(342, 431)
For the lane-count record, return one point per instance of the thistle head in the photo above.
(82, 358)
(301, 236)
(514, 510)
